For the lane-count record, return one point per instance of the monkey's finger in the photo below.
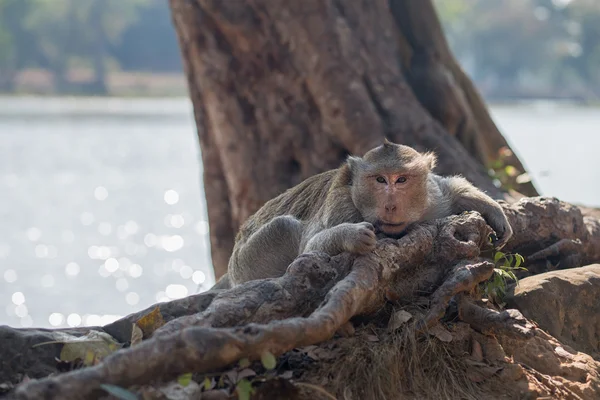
(369, 234)
(368, 225)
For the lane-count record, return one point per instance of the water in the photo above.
(559, 146)
(101, 208)
(103, 213)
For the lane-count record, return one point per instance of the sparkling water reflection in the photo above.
(102, 209)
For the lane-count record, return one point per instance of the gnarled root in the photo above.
(508, 322)
(202, 349)
(464, 277)
(320, 294)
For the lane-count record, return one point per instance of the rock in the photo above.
(564, 303)
(551, 370)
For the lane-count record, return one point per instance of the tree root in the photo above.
(508, 322)
(316, 298)
(202, 349)
(547, 229)
(463, 278)
(189, 344)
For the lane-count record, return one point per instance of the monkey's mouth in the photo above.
(390, 229)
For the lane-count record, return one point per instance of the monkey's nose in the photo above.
(390, 208)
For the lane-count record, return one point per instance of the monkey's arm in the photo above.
(466, 197)
(354, 238)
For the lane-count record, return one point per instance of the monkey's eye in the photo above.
(402, 179)
(380, 179)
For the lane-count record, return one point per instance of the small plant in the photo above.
(244, 389)
(506, 176)
(505, 267)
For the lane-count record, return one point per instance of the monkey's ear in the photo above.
(355, 163)
(430, 159)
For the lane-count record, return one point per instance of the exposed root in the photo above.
(318, 295)
(563, 247)
(202, 349)
(508, 322)
(464, 277)
(545, 227)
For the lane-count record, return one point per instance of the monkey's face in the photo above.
(389, 186)
(391, 201)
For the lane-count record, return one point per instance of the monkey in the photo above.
(344, 210)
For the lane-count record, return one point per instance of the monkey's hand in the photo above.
(499, 223)
(359, 238)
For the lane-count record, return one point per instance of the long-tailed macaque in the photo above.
(383, 192)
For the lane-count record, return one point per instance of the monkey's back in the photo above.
(302, 201)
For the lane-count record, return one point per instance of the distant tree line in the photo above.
(511, 48)
(60, 36)
(522, 48)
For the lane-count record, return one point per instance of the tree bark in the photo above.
(284, 90)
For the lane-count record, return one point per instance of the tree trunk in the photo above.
(284, 90)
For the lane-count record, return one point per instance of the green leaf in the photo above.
(498, 281)
(510, 170)
(244, 389)
(509, 260)
(185, 379)
(119, 392)
(498, 256)
(207, 384)
(518, 260)
(268, 360)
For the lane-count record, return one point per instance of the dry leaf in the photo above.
(176, 391)
(372, 338)
(313, 354)
(441, 333)
(287, 375)
(245, 373)
(398, 319)
(310, 351)
(151, 321)
(476, 351)
(136, 335)
(90, 348)
(232, 376)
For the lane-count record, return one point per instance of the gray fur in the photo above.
(340, 211)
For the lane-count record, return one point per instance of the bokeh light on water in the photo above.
(102, 209)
